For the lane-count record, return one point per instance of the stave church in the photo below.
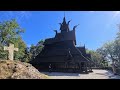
(60, 53)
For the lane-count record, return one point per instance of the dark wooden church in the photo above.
(61, 54)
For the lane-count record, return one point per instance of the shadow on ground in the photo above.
(61, 74)
(109, 74)
(96, 74)
(64, 73)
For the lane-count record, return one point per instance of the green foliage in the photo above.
(3, 54)
(10, 33)
(98, 59)
(35, 50)
(22, 46)
(27, 55)
(111, 50)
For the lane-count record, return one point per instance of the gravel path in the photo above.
(96, 74)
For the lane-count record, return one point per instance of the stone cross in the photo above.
(11, 50)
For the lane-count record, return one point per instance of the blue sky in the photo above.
(96, 27)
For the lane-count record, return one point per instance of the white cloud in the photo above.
(116, 13)
(28, 45)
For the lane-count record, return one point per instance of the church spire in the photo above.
(64, 13)
(64, 27)
(64, 21)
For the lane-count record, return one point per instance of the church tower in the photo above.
(64, 27)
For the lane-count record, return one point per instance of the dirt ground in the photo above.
(96, 74)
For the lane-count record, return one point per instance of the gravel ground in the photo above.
(96, 74)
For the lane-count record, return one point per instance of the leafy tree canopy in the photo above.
(10, 32)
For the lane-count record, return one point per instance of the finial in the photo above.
(64, 13)
(75, 27)
(55, 31)
(69, 22)
(64, 20)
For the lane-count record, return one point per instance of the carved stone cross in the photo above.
(11, 50)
